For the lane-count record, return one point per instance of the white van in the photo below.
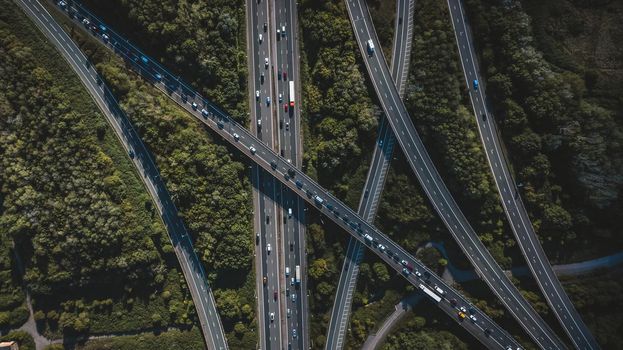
(287, 271)
(289, 212)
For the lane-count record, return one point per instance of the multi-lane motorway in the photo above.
(191, 266)
(436, 189)
(450, 301)
(401, 53)
(515, 210)
(265, 188)
(287, 118)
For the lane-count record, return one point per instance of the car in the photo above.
(405, 271)
(252, 149)
(257, 238)
(293, 297)
(268, 249)
(462, 315)
(381, 247)
(475, 84)
(257, 94)
(282, 153)
(418, 273)
(265, 26)
(260, 38)
(287, 271)
(262, 78)
(484, 116)
(62, 3)
(462, 308)
(236, 137)
(273, 164)
(86, 22)
(404, 262)
(280, 98)
(268, 100)
(194, 105)
(287, 126)
(381, 143)
(265, 62)
(289, 212)
(283, 30)
(291, 172)
(131, 154)
(259, 123)
(278, 33)
(285, 74)
(285, 107)
(272, 316)
(268, 221)
(289, 313)
(473, 318)
(299, 184)
(292, 281)
(105, 37)
(204, 112)
(294, 333)
(265, 280)
(279, 74)
(275, 295)
(158, 76)
(366, 194)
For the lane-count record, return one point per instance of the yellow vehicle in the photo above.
(462, 315)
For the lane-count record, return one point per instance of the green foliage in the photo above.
(415, 333)
(337, 110)
(172, 339)
(23, 339)
(562, 126)
(202, 41)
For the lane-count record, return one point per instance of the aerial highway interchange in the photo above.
(277, 172)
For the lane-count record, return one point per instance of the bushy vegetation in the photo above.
(13, 312)
(598, 299)
(172, 339)
(23, 339)
(202, 41)
(562, 129)
(426, 328)
(208, 184)
(74, 207)
(339, 117)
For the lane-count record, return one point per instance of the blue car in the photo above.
(476, 84)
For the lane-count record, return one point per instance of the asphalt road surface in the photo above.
(191, 267)
(435, 188)
(516, 212)
(368, 204)
(265, 188)
(491, 335)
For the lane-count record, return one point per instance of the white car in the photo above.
(268, 100)
(105, 37)
(268, 248)
(257, 94)
(280, 98)
(260, 38)
(236, 137)
(252, 149)
(272, 316)
(473, 318)
(194, 105)
(265, 62)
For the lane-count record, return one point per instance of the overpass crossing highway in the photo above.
(192, 268)
(450, 301)
(434, 187)
(368, 204)
(516, 212)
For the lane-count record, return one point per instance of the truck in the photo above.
(318, 199)
(297, 274)
(370, 47)
(291, 93)
(430, 293)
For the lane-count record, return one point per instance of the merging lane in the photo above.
(515, 210)
(191, 266)
(449, 300)
(368, 204)
(435, 188)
